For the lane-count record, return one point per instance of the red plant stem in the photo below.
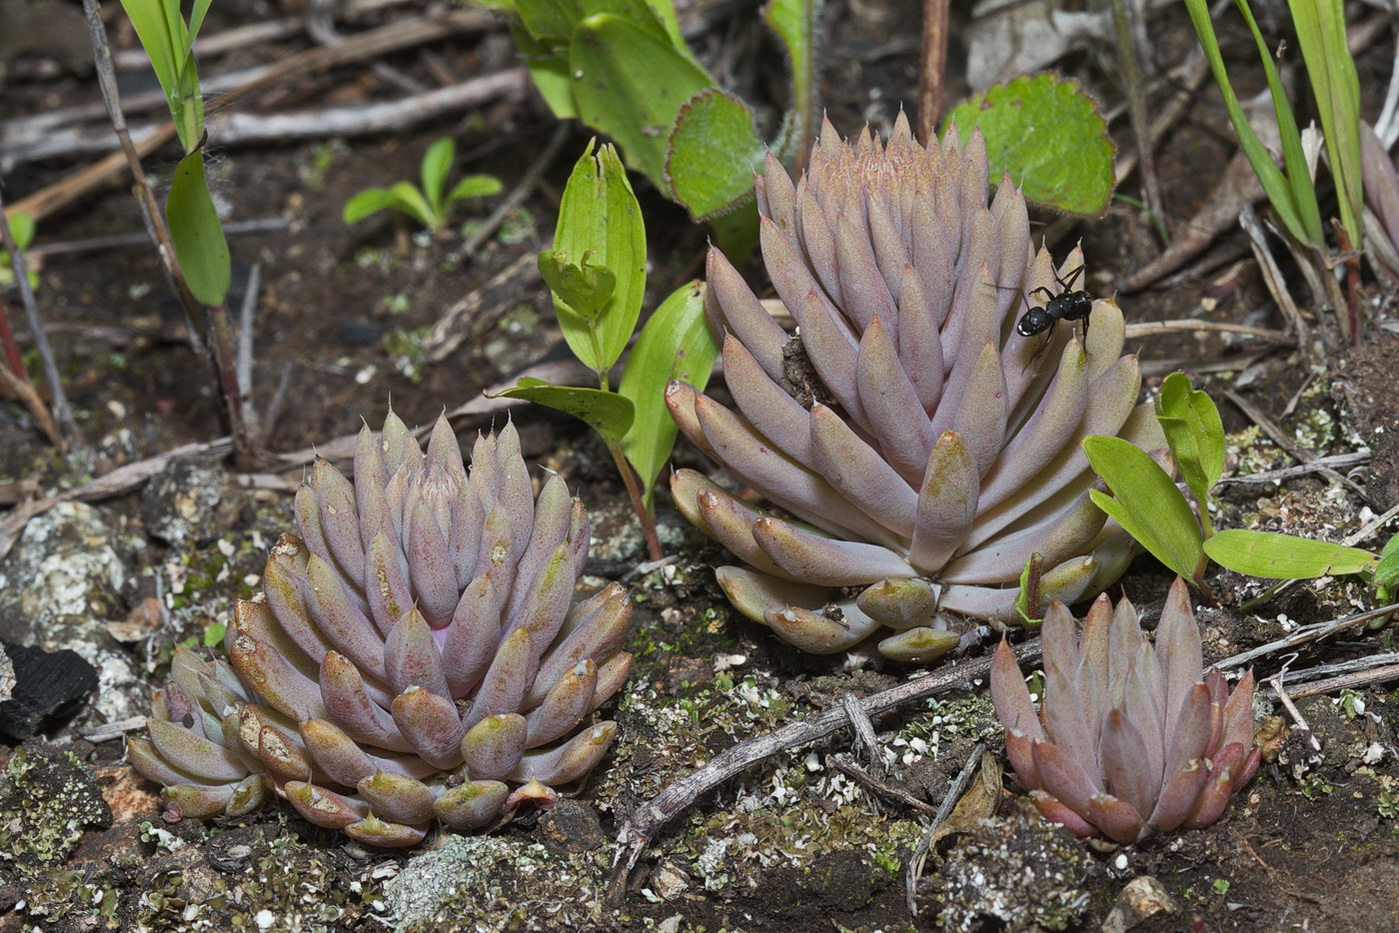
(1351, 320)
(638, 502)
(227, 368)
(932, 68)
(7, 337)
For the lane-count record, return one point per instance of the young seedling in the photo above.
(597, 273)
(22, 229)
(1146, 501)
(430, 204)
(202, 269)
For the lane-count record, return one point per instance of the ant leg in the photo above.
(1068, 284)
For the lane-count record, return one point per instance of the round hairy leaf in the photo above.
(1048, 134)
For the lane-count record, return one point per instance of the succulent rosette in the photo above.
(920, 449)
(1130, 740)
(418, 653)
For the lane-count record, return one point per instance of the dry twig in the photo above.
(925, 845)
(648, 819)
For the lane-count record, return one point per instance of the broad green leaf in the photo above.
(585, 288)
(1321, 31)
(794, 21)
(475, 186)
(1195, 433)
(631, 84)
(548, 69)
(367, 202)
(412, 202)
(196, 233)
(1284, 557)
(664, 11)
(676, 343)
(1146, 502)
(1387, 570)
(713, 154)
(549, 20)
(1051, 138)
(437, 163)
(607, 413)
(600, 216)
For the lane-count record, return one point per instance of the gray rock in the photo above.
(191, 500)
(58, 588)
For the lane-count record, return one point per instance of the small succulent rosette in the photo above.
(418, 653)
(919, 448)
(1130, 741)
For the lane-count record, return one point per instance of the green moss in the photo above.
(47, 799)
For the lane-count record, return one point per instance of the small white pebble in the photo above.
(1120, 863)
(264, 919)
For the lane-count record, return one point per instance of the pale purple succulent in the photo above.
(920, 449)
(418, 655)
(1130, 740)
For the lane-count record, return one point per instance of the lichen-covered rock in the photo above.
(1019, 870)
(59, 586)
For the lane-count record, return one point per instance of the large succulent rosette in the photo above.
(920, 450)
(1130, 741)
(418, 653)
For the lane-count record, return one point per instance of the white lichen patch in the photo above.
(485, 884)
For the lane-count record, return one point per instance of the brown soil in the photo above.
(1313, 843)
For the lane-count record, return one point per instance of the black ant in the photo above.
(1068, 305)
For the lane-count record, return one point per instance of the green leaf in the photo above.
(1147, 504)
(1195, 434)
(152, 26)
(676, 343)
(196, 233)
(1387, 570)
(197, 12)
(475, 186)
(607, 413)
(630, 84)
(1034, 565)
(1301, 217)
(411, 201)
(713, 154)
(214, 634)
(584, 288)
(22, 229)
(549, 20)
(369, 201)
(1051, 138)
(1321, 31)
(548, 69)
(795, 21)
(437, 163)
(600, 218)
(1284, 557)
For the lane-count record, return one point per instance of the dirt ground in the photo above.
(792, 845)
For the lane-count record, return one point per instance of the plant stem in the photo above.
(638, 503)
(227, 369)
(221, 360)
